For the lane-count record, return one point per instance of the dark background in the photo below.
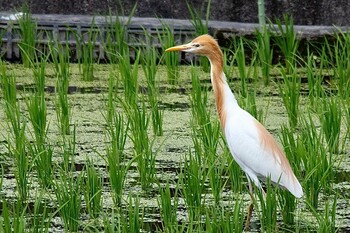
(304, 12)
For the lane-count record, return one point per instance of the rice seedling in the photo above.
(318, 166)
(200, 27)
(28, 37)
(116, 134)
(247, 97)
(291, 147)
(129, 78)
(117, 169)
(192, 179)
(222, 220)
(326, 219)
(116, 221)
(206, 136)
(171, 60)
(265, 52)
(288, 206)
(5, 221)
(346, 107)
(330, 116)
(168, 208)
(315, 72)
(13, 218)
(241, 65)
(144, 155)
(86, 51)
(203, 128)
(116, 35)
(268, 205)
(216, 182)
(37, 109)
(17, 142)
(40, 221)
(234, 172)
(149, 66)
(60, 57)
(340, 62)
(67, 191)
(290, 93)
(135, 220)
(93, 190)
(286, 40)
(110, 224)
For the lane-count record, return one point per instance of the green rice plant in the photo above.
(149, 66)
(17, 142)
(268, 205)
(60, 57)
(318, 166)
(129, 78)
(40, 221)
(192, 179)
(290, 93)
(116, 34)
(326, 219)
(93, 190)
(200, 27)
(117, 169)
(330, 116)
(110, 224)
(291, 146)
(288, 206)
(234, 172)
(168, 208)
(241, 65)
(27, 43)
(13, 218)
(2, 177)
(206, 136)
(293, 149)
(340, 53)
(68, 151)
(116, 134)
(247, 98)
(265, 53)
(228, 62)
(204, 129)
(86, 43)
(216, 182)
(113, 84)
(222, 220)
(133, 215)
(144, 155)
(167, 39)
(287, 41)
(315, 72)
(116, 221)
(37, 109)
(5, 221)
(67, 191)
(346, 107)
(198, 99)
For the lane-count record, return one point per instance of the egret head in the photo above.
(202, 45)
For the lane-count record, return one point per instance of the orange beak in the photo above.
(178, 48)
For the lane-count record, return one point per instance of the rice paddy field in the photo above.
(136, 146)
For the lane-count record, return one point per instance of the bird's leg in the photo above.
(251, 206)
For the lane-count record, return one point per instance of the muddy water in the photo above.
(87, 100)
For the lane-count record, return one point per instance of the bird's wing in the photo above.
(256, 151)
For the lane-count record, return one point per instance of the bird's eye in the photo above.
(196, 45)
